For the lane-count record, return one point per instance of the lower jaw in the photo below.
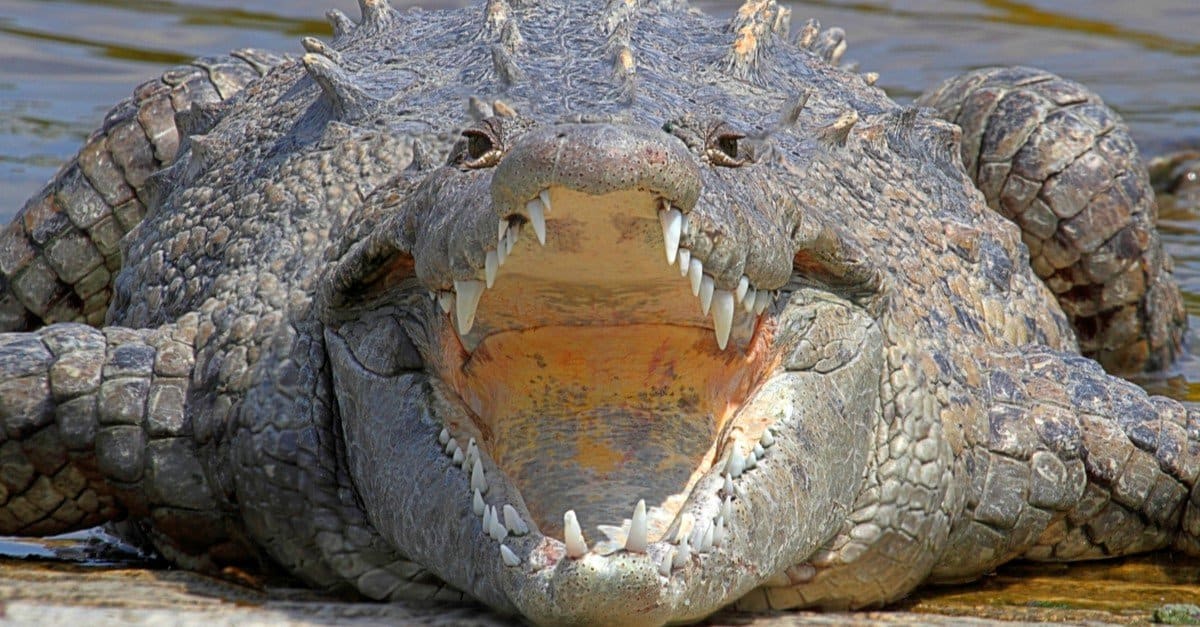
(599, 462)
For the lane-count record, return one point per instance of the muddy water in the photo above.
(64, 62)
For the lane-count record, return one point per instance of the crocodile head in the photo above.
(607, 363)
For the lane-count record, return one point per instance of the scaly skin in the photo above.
(399, 348)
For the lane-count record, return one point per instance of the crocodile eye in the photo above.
(724, 150)
(481, 150)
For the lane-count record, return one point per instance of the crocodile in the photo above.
(612, 314)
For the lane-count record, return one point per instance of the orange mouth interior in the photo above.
(595, 380)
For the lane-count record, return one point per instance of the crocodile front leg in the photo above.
(1049, 155)
(1068, 463)
(95, 429)
(60, 253)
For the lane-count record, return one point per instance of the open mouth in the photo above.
(603, 377)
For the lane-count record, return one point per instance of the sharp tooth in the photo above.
(487, 518)
(498, 532)
(736, 464)
(668, 560)
(501, 231)
(695, 275)
(682, 554)
(477, 504)
(491, 263)
(762, 300)
(742, 286)
(512, 520)
(544, 196)
(510, 558)
(451, 446)
(727, 488)
(446, 301)
(727, 507)
(467, 301)
(751, 461)
(718, 531)
(478, 481)
(759, 451)
(706, 293)
(685, 261)
(444, 437)
(768, 439)
(706, 541)
(502, 251)
(514, 234)
(635, 542)
(672, 225)
(573, 535)
(472, 452)
(538, 218)
(722, 313)
(458, 457)
(748, 301)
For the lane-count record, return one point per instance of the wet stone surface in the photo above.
(67, 582)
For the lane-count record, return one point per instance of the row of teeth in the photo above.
(501, 522)
(464, 299)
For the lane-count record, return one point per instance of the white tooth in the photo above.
(682, 554)
(718, 531)
(707, 542)
(686, 223)
(706, 293)
(573, 535)
(695, 275)
(433, 295)
(502, 251)
(491, 264)
(513, 521)
(478, 481)
(467, 301)
(728, 487)
(727, 507)
(672, 225)
(668, 560)
(477, 504)
(510, 558)
(451, 446)
(722, 313)
(498, 532)
(458, 457)
(749, 300)
(759, 451)
(742, 286)
(751, 461)
(501, 231)
(685, 261)
(768, 439)
(487, 518)
(736, 464)
(514, 234)
(538, 218)
(635, 542)
(446, 301)
(444, 437)
(544, 196)
(762, 300)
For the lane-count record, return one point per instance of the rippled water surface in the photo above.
(64, 62)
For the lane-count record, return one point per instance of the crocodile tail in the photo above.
(60, 253)
(1048, 154)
